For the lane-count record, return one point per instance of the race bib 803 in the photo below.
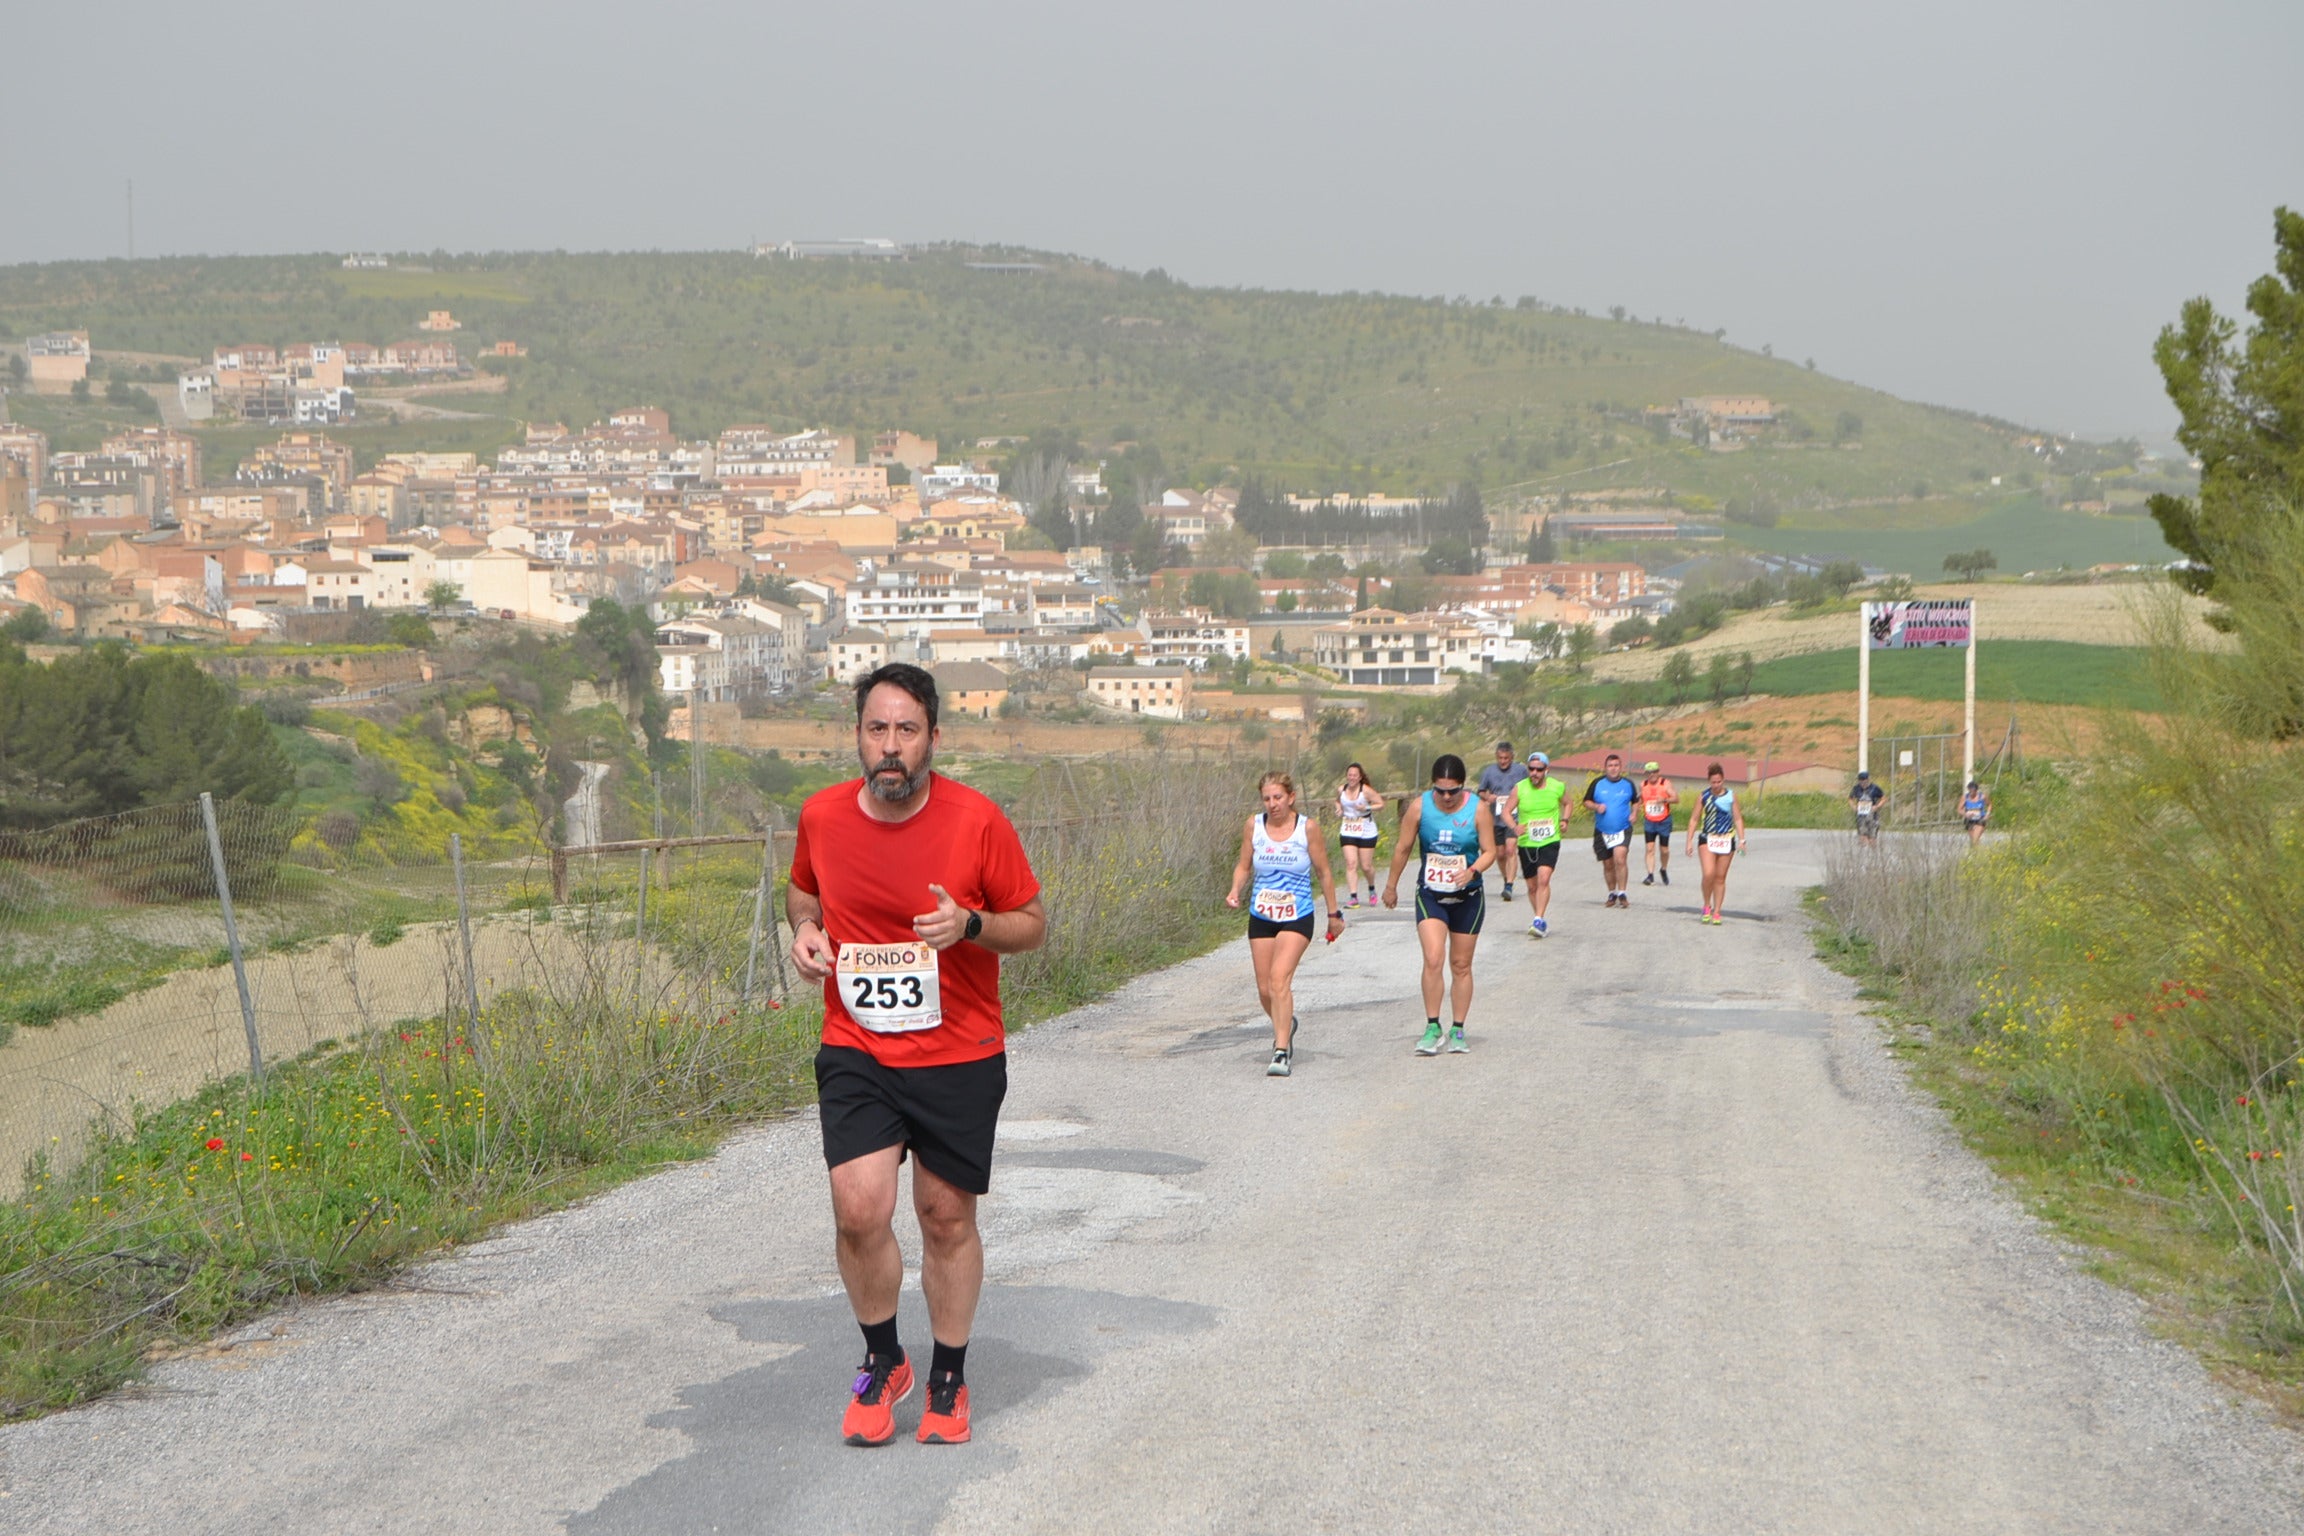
(890, 989)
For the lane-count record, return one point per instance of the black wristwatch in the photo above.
(975, 925)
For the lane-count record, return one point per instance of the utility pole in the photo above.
(131, 218)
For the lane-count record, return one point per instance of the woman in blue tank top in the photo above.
(1714, 836)
(1280, 856)
(1456, 835)
(1975, 810)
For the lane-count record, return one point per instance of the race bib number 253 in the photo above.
(890, 989)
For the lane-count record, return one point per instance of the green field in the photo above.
(2007, 671)
(1313, 392)
(2024, 532)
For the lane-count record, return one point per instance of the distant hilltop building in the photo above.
(56, 361)
(439, 320)
(358, 260)
(823, 250)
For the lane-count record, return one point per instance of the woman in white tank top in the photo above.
(1280, 857)
(1357, 803)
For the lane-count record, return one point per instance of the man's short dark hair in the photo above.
(899, 674)
(1613, 757)
(1503, 746)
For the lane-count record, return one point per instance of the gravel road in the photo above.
(1673, 1249)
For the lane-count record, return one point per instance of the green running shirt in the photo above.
(1537, 809)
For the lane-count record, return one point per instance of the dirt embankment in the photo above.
(166, 1043)
(1821, 728)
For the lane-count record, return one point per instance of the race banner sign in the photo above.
(1920, 625)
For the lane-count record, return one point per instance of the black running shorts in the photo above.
(945, 1116)
(1357, 842)
(1463, 915)
(1534, 859)
(1265, 928)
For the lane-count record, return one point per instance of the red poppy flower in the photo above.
(247, 1157)
(215, 1143)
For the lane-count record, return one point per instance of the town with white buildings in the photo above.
(773, 561)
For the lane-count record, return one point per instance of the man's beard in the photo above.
(889, 782)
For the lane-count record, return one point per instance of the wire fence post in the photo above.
(464, 927)
(640, 913)
(760, 908)
(232, 937)
(776, 934)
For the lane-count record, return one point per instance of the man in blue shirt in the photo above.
(1610, 798)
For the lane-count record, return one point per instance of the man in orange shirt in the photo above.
(1656, 799)
(906, 889)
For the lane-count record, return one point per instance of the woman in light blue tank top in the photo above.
(1280, 857)
(1456, 835)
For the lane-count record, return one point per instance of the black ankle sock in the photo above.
(952, 1358)
(880, 1339)
(1432, 1022)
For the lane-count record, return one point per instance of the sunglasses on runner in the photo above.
(1450, 790)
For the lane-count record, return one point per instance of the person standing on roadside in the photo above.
(1497, 781)
(1540, 811)
(1357, 803)
(1865, 800)
(906, 889)
(1656, 800)
(1280, 852)
(1457, 837)
(1714, 836)
(1610, 798)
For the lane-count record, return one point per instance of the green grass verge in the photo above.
(337, 1171)
(2007, 671)
(2024, 532)
(2146, 1223)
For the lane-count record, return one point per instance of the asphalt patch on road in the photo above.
(1107, 1160)
(768, 1455)
(1698, 1018)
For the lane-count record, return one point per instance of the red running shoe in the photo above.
(871, 1416)
(946, 1420)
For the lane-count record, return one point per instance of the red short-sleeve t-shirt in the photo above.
(872, 877)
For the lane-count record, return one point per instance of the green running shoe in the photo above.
(1456, 1045)
(1430, 1044)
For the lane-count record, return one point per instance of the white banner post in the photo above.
(1864, 688)
(1968, 723)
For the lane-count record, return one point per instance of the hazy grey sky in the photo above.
(1992, 205)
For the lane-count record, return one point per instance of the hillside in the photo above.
(1312, 392)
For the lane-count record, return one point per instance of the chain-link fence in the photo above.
(131, 975)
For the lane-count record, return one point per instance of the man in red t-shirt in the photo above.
(907, 887)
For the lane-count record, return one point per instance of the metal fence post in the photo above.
(760, 908)
(464, 926)
(775, 934)
(232, 937)
(640, 917)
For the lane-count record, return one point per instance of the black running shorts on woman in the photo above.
(1265, 928)
(1463, 915)
(946, 1116)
